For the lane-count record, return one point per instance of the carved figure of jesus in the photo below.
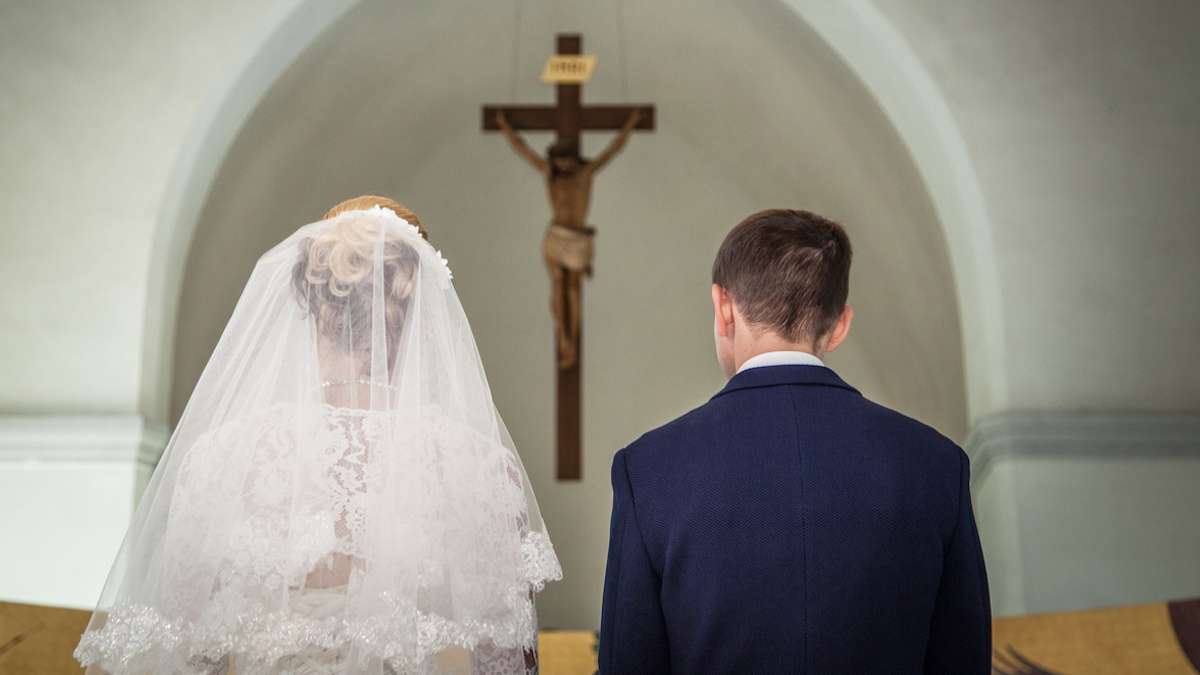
(567, 246)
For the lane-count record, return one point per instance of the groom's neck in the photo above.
(770, 342)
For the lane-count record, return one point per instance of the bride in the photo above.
(340, 495)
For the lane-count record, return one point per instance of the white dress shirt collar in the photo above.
(787, 358)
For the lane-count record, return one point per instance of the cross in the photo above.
(568, 118)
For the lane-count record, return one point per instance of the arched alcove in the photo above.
(762, 112)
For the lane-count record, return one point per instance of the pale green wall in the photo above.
(1082, 120)
(100, 100)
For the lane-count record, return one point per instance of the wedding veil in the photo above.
(340, 495)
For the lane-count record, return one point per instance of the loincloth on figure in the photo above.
(568, 252)
(570, 248)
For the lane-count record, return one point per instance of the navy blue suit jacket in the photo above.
(792, 526)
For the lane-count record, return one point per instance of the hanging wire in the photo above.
(516, 51)
(621, 46)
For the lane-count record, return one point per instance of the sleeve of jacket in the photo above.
(633, 637)
(960, 635)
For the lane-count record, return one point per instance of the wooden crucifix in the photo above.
(567, 247)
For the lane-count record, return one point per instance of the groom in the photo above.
(790, 525)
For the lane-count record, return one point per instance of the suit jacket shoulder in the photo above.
(790, 525)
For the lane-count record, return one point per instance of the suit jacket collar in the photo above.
(772, 376)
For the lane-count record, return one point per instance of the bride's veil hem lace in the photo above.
(139, 633)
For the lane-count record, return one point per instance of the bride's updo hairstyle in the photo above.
(333, 277)
(369, 201)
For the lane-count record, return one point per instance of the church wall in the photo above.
(69, 484)
(1080, 119)
(100, 102)
(1087, 509)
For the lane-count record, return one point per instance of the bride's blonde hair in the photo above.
(334, 273)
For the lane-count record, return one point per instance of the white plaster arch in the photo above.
(879, 55)
(195, 169)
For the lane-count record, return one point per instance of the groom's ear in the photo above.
(840, 330)
(722, 311)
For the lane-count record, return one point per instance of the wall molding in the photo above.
(1088, 435)
(40, 439)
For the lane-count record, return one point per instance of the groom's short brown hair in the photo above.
(788, 271)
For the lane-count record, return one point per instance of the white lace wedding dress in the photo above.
(340, 495)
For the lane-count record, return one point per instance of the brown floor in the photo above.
(39, 640)
(1154, 639)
